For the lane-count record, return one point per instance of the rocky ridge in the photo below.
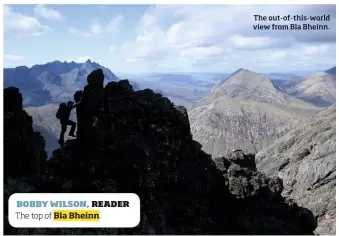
(140, 142)
(305, 159)
(51, 82)
(317, 88)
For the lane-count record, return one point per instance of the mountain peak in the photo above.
(22, 68)
(318, 88)
(240, 70)
(92, 63)
(69, 62)
(51, 78)
(56, 62)
(244, 75)
(332, 71)
(247, 85)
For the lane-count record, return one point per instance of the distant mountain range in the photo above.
(248, 110)
(52, 82)
(215, 98)
(57, 81)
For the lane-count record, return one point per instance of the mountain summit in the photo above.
(247, 85)
(52, 82)
(331, 71)
(244, 111)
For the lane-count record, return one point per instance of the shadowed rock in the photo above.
(260, 196)
(140, 142)
(96, 78)
(24, 149)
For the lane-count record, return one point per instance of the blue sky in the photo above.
(166, 38)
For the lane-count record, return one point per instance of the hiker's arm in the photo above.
(77, 104)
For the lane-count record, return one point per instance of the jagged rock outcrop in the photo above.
(261, 197)
(24, 149)
(140, 142)
(305, 158)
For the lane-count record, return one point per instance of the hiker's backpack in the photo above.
(61, 110)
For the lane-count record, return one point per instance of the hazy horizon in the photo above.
(124, 73)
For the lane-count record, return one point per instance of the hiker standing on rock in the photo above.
(63, 115)
(78, 100)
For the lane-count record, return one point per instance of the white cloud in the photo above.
(241, 42)
(200, 53)
(20, 24)
(131, 60)
(80, 59)
(202, 36)
(112, 48)
(84, 34)
(315, 49)
(48, 13)
(276, 56)
(97, 30)
(12, 58)
(113, 26)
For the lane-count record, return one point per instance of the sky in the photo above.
(168, 38)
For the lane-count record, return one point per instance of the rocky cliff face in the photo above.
(262, 208)
(24, 149)
(140, 142)
(304, 159)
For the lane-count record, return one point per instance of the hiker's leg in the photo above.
(63, 130)
(73, 124)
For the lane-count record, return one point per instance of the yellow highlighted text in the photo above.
(76, 215)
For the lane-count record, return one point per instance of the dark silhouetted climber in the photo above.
(63, 115)
(78, 100)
